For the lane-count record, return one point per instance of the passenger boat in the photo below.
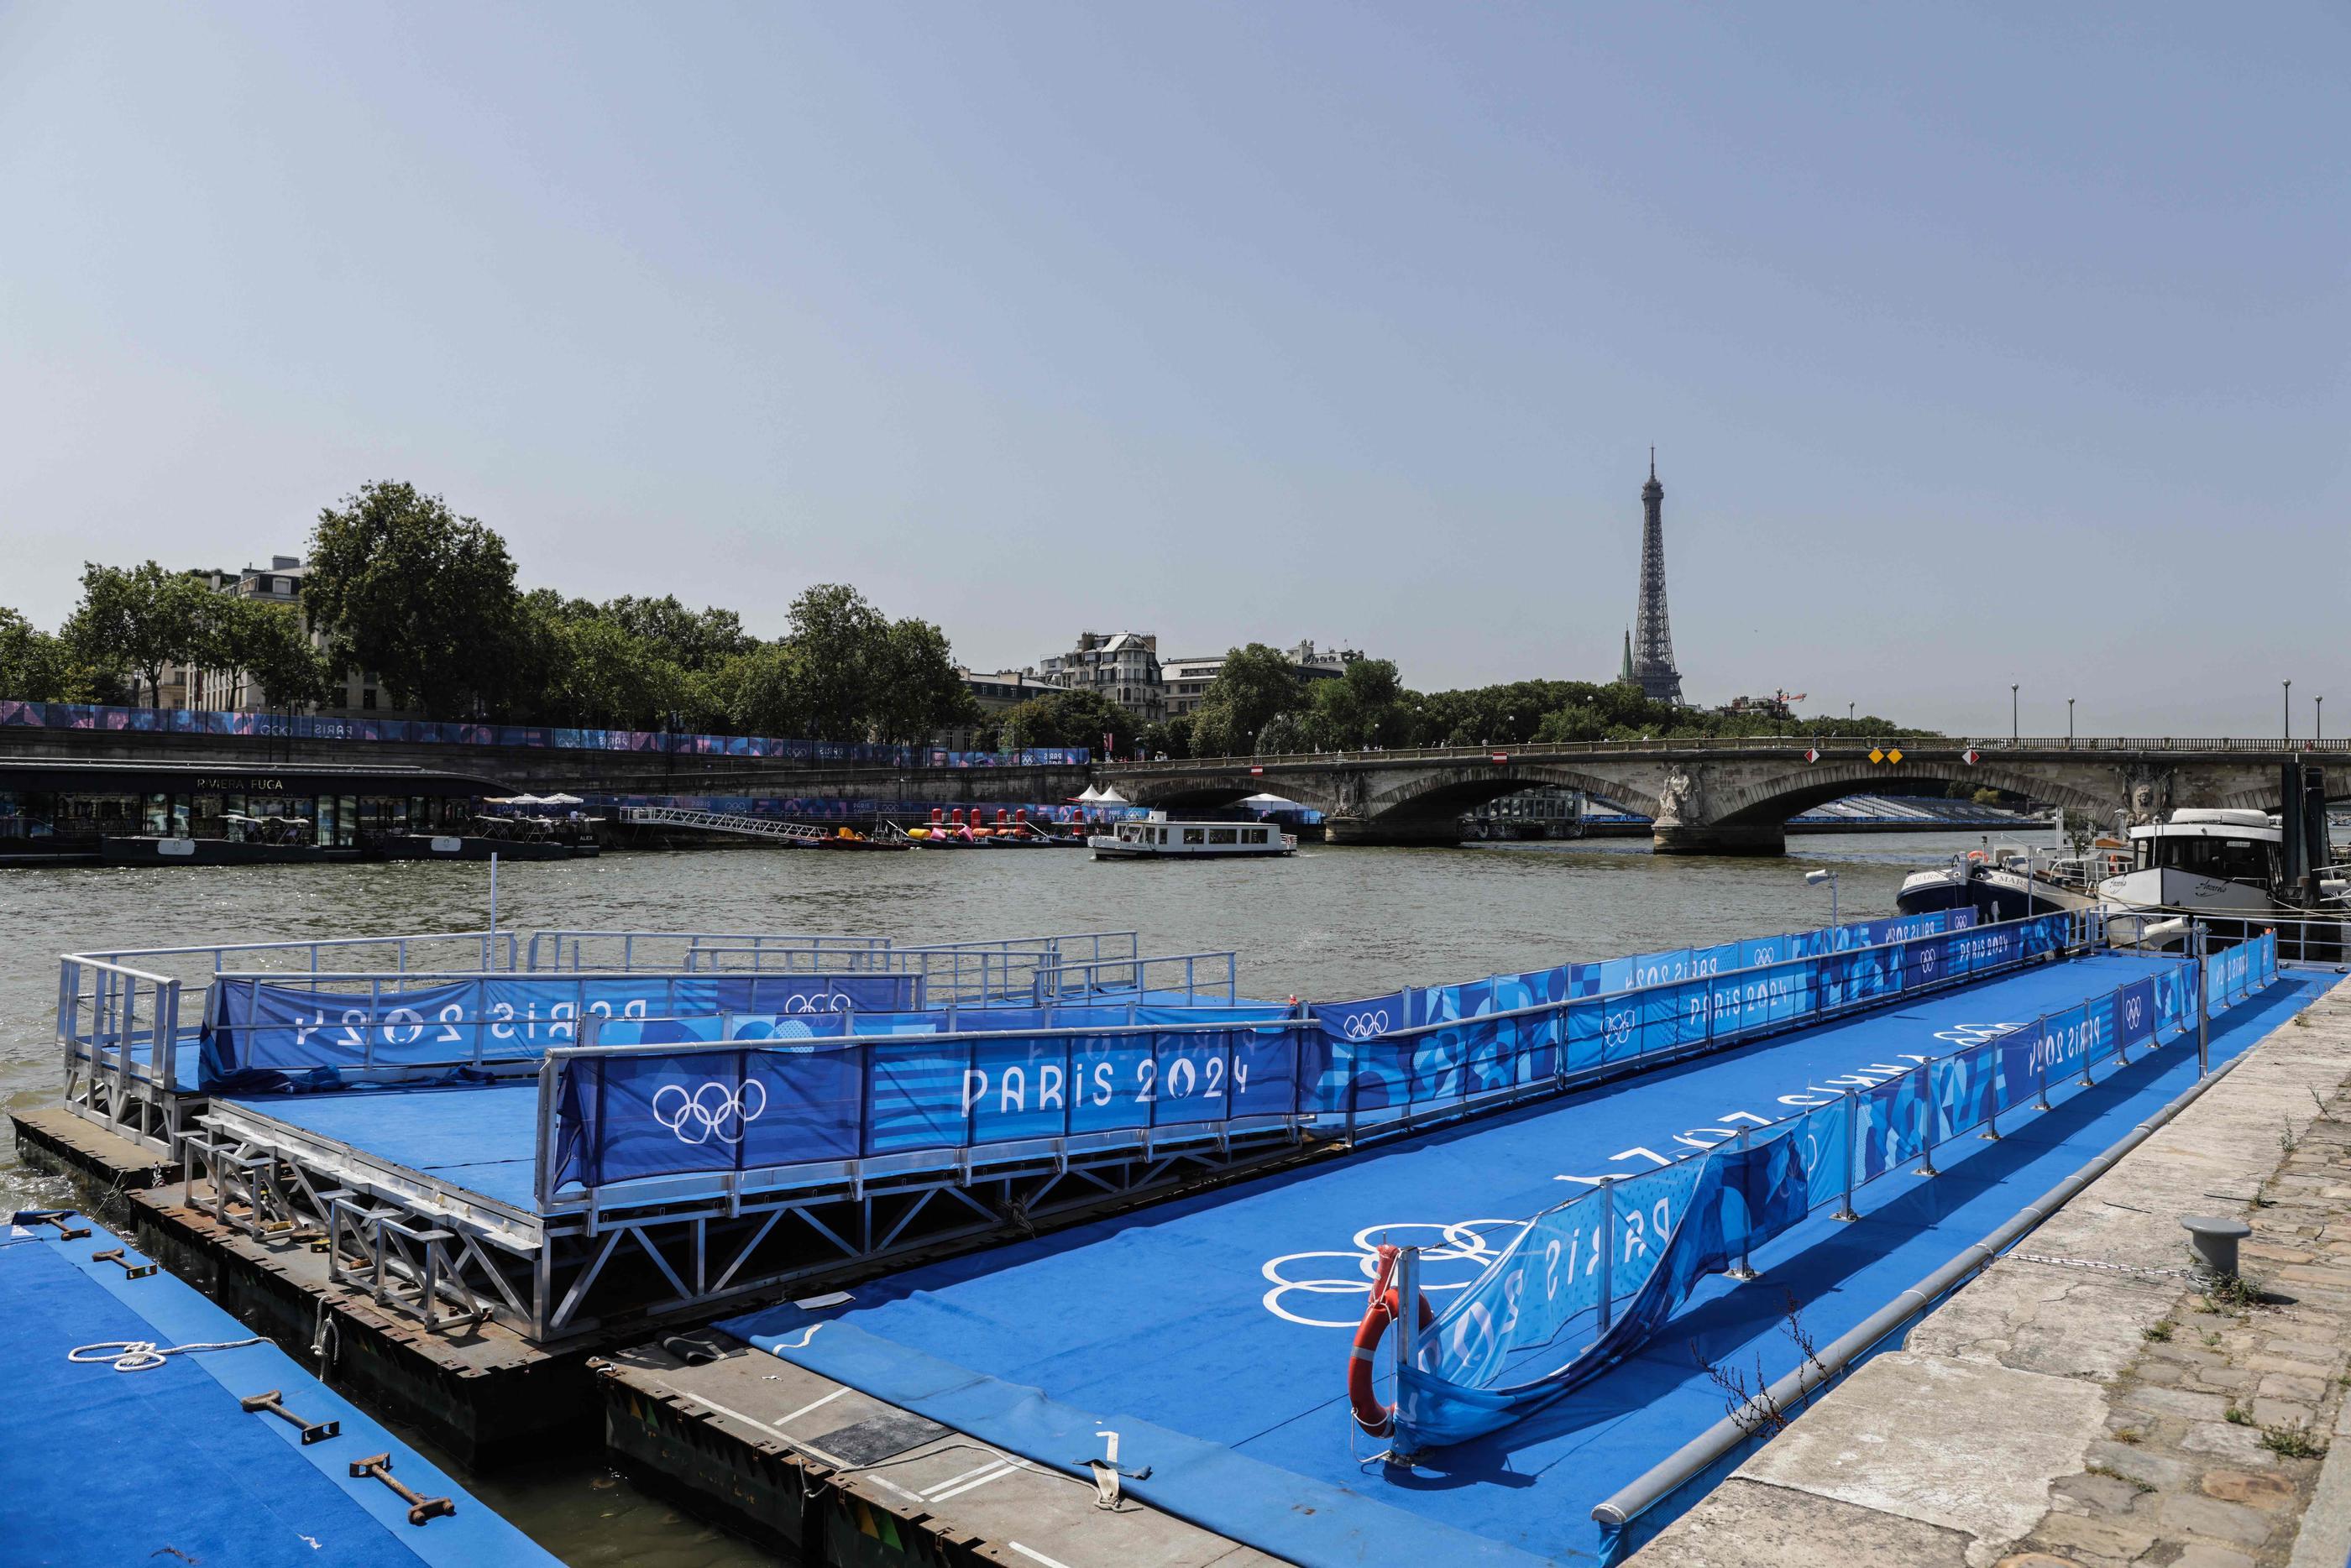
(2204, 862)
(1157, 838)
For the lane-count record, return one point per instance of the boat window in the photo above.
(1224, 836)
(1163, 836)
(1257, 835)
(1195, 835)
(2230, 859)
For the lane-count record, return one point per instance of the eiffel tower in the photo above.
(1653, 634)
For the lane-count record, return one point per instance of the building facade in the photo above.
(235, 690)
(1188, 679)
(1121, 666)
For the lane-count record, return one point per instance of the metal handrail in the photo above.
(1923, 745)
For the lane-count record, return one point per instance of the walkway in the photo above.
(2083, 1404)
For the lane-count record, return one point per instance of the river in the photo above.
(1331, 923)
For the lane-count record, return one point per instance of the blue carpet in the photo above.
(1226, 1318)
(99, 1466)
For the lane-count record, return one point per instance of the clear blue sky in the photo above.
(1978, 345)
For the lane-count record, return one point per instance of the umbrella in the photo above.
(561, 799)
(520, 800)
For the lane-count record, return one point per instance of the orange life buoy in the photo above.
(1373, 1416)
(1977, 856)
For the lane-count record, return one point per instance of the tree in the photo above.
(761, 691)
(1256, 683)
(138, 620)
(1365, 706)
(1076, 718)
(835, 643)
(423, 597)
(267, 642)
(36, 666)
(605, 677)
(1171, 739)
(698, 640)
(916, 690)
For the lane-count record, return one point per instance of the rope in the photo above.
(142, 1355)
(2101, 1265)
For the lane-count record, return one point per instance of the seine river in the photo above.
(1330, 923)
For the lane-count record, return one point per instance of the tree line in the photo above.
(1263, 704)
(426, 601)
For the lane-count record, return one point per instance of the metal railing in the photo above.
(130, 1058)
(1337, 1110)
(564, 950)
(1935, 747)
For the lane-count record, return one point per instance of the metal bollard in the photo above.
(2215, 1241)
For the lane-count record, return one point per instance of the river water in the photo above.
(1329, 924)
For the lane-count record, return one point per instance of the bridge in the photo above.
(1733, 796)
(546, 768)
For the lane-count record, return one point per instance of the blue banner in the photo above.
(261, 1036)
(1605, 1269)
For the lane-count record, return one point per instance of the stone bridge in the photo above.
(1731, 797)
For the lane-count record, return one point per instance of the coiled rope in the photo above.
(144, 1354)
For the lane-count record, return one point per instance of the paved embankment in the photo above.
(2088, 1400)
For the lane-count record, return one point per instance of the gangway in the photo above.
(723, 822)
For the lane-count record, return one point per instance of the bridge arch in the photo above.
(1776, 797)
(1430, 800)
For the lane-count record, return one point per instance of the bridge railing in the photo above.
(1923, 745)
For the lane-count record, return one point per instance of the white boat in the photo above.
(2210, 864)
(1156, 837)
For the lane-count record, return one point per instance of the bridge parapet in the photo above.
(1734, 795)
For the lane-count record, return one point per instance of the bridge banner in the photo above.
(426, 732)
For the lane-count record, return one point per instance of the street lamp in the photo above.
(2012, 732)
(2069, 721)
(2318, 710)
(1848, 712)
(2289, 709)
(1815, 878)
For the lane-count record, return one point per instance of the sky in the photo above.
(1978, 345)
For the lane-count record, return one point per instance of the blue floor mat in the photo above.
(1227, 1317)
(103, 1468)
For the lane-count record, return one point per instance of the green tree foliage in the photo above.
(1256, 684)
(268, 643)
(422, 597)
(1078, 717)
(915, 689)
(1365, 706)
(695, 641)
(37, 667)
(834, 645)
(1172, 740)
(137, 621)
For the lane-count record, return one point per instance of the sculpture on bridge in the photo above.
(2148, 793)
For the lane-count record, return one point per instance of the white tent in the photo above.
(1088, 793)
(561, 799)
(520, 800)
(1111, 797)
(1271, 803)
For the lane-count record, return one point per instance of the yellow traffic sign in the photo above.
(1895, 755)
(1875, 755)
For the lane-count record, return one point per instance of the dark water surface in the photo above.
(1327, 924)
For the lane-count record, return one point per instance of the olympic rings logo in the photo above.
(1364, 1025)
(809, 1003)
(712, 1111)
(1452, 1258)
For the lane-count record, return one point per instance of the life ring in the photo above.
(1976, 857)
(1374, 1418)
